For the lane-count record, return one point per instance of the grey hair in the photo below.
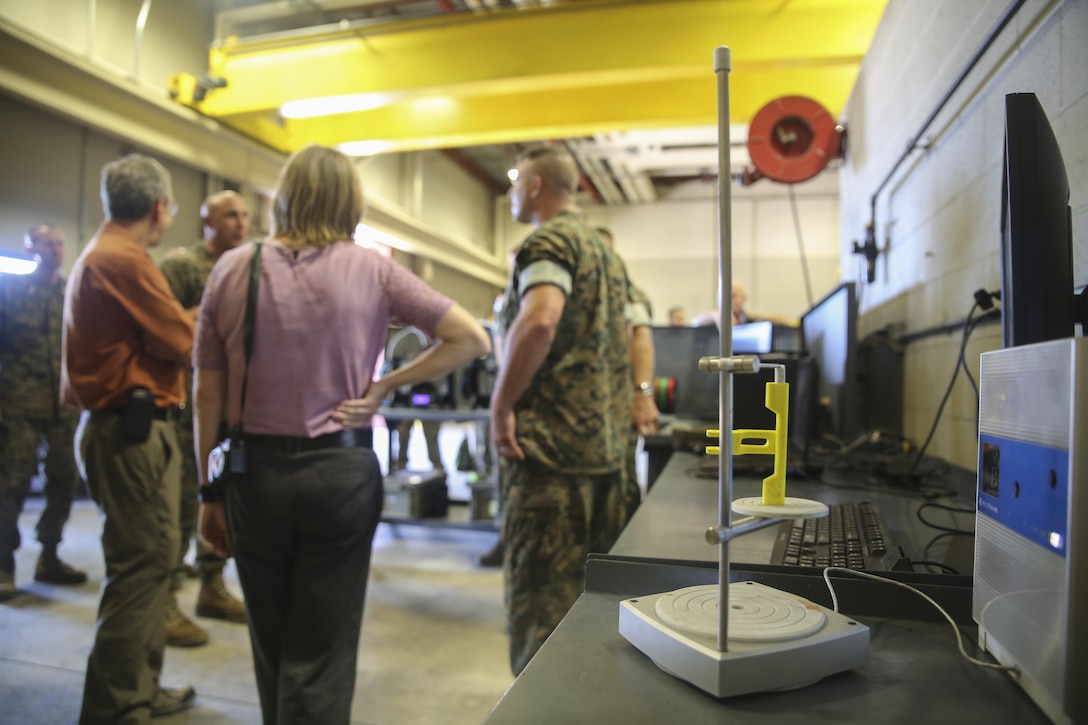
(131, 186)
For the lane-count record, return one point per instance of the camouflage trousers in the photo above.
(21, 441)
(206, 559)
(551, 522)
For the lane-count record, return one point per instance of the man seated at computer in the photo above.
(742, 314)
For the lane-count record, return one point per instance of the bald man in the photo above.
(225, 220)
(30, 412)
(562, 402)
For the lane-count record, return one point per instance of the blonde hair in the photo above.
(319, 200)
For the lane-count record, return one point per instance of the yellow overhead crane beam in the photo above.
(566, 70)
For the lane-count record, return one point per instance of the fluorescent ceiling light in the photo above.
(329, 105)
(364, 148)
(16, 265)
(371, 238)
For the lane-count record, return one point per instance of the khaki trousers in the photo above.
(136, 487)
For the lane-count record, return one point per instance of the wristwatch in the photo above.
(645, 387)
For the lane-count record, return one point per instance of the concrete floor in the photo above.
(433, 647)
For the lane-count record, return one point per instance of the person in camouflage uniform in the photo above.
(30, 412)
(561, 405)
(640, 355)
(225, 220)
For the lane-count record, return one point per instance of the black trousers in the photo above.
(302, 525)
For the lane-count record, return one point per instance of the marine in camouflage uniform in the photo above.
(640, 356)
(186, 271)
(31, 417)
(640, 312)
(225, 220)
(563, 468)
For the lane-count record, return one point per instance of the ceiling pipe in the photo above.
(601, 178)
(588, 180)
(594, 169)
(141, 22)
(619, 173)
(92, 15)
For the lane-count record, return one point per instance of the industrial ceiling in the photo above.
(628, 85)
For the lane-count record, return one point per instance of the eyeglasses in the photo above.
(173, 208)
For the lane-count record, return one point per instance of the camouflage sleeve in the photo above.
(180, 274)
(546, 259)
(640, 313)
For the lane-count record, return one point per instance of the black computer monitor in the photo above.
(676, 355)
(829, 332)
(698, 395)
(1037, 295)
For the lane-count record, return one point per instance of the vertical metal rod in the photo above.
(141, 21)
(722, 66)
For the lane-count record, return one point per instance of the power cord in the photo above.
(985, 302)
(983, 299)
(943, 507)
(959, 637)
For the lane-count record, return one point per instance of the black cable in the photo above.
(878, 483)
(940, 409)
(939, 565)
(946, 507)
(931, 525)
(938, 537)
(963, 357)
(800, 243)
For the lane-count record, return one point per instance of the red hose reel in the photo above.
(792, 139)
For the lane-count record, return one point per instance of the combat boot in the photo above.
(51, 570)
(216, 602)
(7, 585)
(180, 630)
(493, 558)
(168, 701)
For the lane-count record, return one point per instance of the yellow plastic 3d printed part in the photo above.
(747, 441)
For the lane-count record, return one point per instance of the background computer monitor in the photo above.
(829, 331)
(676, 355)
(753, 338)
(677, 351)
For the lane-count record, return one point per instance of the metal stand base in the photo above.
(777, 641)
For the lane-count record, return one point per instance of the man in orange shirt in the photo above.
(125, 342)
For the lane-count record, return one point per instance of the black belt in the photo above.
(350, 438)
(159, 414)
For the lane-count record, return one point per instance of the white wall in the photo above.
(672, 247)
(52, 174)
(938, 219)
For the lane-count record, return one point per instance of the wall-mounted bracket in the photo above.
(870, 252)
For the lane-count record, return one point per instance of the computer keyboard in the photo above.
(852, 535)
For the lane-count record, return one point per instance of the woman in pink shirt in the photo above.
(301, 519)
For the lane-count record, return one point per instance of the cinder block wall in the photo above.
(938, 216)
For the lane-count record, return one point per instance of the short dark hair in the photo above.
(35, 232)
(554, 166)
